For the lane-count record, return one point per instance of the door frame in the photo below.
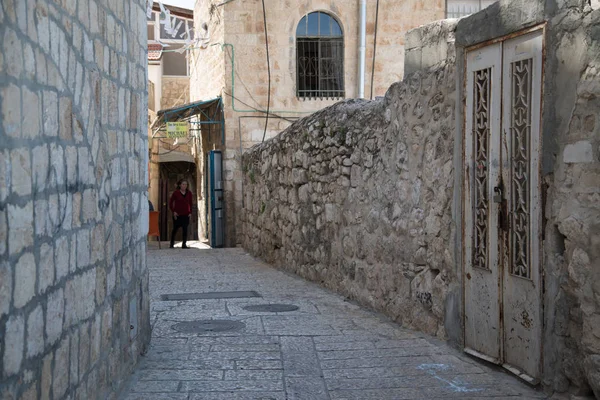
(462, 124)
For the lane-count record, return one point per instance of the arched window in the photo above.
(319, 57)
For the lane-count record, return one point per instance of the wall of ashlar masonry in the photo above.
(74, 300)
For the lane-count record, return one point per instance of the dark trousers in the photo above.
(183, 222)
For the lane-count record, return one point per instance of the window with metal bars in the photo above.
(462, 8)
(319, 57)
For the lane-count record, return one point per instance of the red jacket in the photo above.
(181, 204)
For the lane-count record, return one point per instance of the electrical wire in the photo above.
(289, 119)
(374, 47)
(268, 69)
(239, 78)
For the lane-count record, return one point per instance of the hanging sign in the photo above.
(177, 129)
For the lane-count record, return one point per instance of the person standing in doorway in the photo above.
(181, 207)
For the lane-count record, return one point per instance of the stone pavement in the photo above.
(329, 349)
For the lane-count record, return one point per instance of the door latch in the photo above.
(497, 194)
(498, 198)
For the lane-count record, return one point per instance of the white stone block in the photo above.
(57, 164)
(35, 332)
(25, 277)
(5, 287)
(11, 110)
(32, 110)
(74, 367)
(83, 249)
(41, 217)
(61, 369)
(29, 58)
(61, 257)
(40, 167)
(46, 267)
(4, 174)
(20, 223)
(13, 54)
(54, 316)
(50, 113)
(13, 345)
(21, 171)
(47, 376)
(579, 152)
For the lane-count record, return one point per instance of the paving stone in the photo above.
(373, 362)
(155, 386)
(251, 364)
(224, 386)
(237, 355)
(297, 344)
(340, 351)
(161, 396)
(301, 364)
(240, 396)
(306, 389)
(180, 375)
(376, 394)
(244, 347)
(253, 375)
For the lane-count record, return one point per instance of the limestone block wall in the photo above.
(74, 312)
(175, 91)
(358, 197)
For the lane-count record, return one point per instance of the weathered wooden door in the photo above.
(503, 306)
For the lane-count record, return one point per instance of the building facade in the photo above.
(317, 56)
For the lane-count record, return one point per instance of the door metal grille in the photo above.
(521, 132)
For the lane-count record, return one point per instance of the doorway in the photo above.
(170, 174)
(502, 204)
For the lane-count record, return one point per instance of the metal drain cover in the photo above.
(209, 295)
(272, 308)
(208, 325)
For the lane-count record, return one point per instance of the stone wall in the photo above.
(73, 209)
(320, 200)
(175, 91)
(365, 197)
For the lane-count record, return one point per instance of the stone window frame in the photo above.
(332, 42)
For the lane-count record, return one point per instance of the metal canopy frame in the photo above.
(186, 112)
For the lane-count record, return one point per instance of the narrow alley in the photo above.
(328, 348)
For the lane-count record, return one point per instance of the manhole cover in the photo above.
(208, 325)
(209, 295)
(272, 308)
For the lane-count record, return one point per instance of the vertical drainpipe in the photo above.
(362, 48)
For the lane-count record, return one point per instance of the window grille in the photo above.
(319, 57)
(462, 8)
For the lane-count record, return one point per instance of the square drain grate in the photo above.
(209, 295)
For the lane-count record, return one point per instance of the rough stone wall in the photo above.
(573, 212)
(73, 210)
(175, 91)
(358, 197)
